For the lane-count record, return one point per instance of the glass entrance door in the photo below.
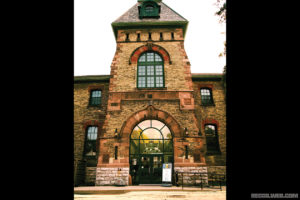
(151, 144)
(151, 169)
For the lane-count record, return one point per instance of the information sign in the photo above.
(167, 172)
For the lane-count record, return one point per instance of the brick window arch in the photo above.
(149, 47)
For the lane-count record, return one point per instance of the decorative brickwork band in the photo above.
(149, 47)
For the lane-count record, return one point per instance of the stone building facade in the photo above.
(151, 109)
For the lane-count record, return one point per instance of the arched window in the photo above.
(212, 140)
(90, 141)
(150, 71)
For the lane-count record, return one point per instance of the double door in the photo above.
(150, 169)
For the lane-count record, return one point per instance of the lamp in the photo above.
(186, 133)
(199, 133)
(117, 135)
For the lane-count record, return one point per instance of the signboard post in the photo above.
(167, 175)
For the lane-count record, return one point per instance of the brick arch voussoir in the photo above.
(210, 121)
(142, 115)
(91, 123)
(158, 49)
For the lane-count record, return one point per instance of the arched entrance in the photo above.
(151, 145)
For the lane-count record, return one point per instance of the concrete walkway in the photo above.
(123, 189)
(147, 193)
(155, 195)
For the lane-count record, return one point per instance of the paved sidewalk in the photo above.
(156, 195)
(122, 189)
(147, 193)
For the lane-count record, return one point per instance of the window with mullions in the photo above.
(206, 96)
(212, 141)
(90, 141)
(95, 98)
(151, 137)
(149, 9)
(150, 72)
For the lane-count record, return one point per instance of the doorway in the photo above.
(151, 145)
(150, 169)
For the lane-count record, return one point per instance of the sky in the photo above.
(95, 44)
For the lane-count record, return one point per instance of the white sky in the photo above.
(95, 43)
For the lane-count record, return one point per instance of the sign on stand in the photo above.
(167, 174)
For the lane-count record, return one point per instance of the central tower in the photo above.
(150, 82)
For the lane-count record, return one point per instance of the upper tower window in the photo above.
(149, 9)
(150, 71)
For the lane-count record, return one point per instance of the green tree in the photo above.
(221, 12)
(221, 5)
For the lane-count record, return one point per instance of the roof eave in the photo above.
(118, 25)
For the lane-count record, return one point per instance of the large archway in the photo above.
(151, 145)
(161, 129)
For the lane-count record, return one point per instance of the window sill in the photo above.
(95, 106)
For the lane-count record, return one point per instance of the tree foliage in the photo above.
(221, 5)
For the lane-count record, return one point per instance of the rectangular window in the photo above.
(206, 96)
(138, 37)
(95, 98)
(186, 152)
(116, 152)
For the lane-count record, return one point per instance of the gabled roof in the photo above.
(168, 17)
